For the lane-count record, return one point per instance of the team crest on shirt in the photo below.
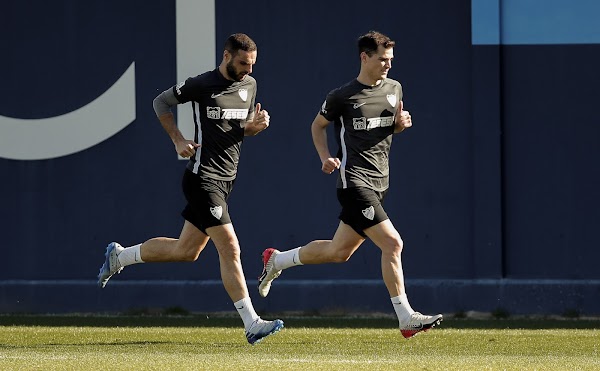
(369, 212)
(243, 94)
(217, 211)
(392, 99)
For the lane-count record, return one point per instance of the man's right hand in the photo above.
(330, 164)
(186, 148)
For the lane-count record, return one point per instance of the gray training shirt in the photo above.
(221, 108)
(363, 119)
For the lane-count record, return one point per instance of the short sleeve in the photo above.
(188, 90)
(330, 108)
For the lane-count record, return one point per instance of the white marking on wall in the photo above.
(51, 137)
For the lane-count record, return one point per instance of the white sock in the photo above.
(287, 259)
(402, 308)
(130, 255)
(246, 311)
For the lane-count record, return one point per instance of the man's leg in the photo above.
(387, 238)
(232, 274)
(228, 247)
(187, 247)
(345, 242)
(338, 250)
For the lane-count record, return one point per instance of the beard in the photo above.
(233, 73)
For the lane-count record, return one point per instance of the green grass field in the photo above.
(200, 342)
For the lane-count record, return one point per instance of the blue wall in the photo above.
(494, 189)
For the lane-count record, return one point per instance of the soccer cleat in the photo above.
(111, 264)
(419, 322)
(269, 272)
(260, 329)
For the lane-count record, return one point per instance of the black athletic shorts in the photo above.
(362, 208)
(206, 200)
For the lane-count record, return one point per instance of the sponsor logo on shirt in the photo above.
(377, 122)
(234, 114)
(213, 112)
(359, 123)
(226, 113)
(362, 123)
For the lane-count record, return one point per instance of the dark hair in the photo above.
(370, 41)
(239, 41)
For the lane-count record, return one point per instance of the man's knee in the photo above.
(392, 245)
(229, 249)
(341, 256)
(341, 253)
(188, 252)
(189, 255)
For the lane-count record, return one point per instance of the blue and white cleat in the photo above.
(260, 329)
(111, 264)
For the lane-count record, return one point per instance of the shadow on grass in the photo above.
(295, 321)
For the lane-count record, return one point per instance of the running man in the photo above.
(366, 112)
(223, 101)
